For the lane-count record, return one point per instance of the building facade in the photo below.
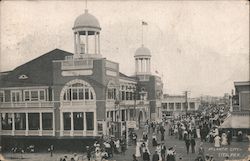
(239, 117)
(77, 95)
(175, 105)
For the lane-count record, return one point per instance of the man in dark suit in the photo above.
(146, 156)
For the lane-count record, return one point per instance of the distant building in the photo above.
(241, 99)
(173, 105)
(61, 95)
(239, 118)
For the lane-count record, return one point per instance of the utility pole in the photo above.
(186, 101)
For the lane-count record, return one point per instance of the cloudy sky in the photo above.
(198, 46)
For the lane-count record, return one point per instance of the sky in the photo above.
(199, 46)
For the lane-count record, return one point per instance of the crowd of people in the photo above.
(188, 128)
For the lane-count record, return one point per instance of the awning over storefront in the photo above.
(237, 121)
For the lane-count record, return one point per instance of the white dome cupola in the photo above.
(142, 61)
(86, 36)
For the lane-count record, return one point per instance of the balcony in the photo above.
(26, 104)
(27, 133)
(133, 102)
(73, 64)
(78, 133)
(78, 103)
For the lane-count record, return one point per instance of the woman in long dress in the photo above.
(137, 149)
(198, 134)
(146, 147)
(158, 149)
(224, 139)
(217, 141)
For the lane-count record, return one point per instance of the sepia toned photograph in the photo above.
(132, 80)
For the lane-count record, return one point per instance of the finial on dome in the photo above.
(86, 5)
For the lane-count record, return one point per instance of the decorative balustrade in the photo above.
(19, 132)
(47, 132)
(133, 102)
(78, 133)
(78, 103)
(26, 104)
(5, 132)
(33, 132)
(72, 64)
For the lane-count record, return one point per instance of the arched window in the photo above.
(77, 90)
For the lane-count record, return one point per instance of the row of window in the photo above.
(78, 93)
(20, 121)
(177, 105)
(78, 121)
(28, 95)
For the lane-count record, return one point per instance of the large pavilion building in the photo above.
(62, 95)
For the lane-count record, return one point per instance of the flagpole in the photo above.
(142, 32)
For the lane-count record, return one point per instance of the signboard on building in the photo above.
(131, 124)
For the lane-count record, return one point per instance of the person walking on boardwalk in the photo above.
(155, 156)
(145, 156)
(192, 142)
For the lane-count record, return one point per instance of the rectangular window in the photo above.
(192, 105)
(91, 95)
(165, 106)
(67, 121)
(81, 96)
(74, 93)
(20, 121)
(171, 106)
(47, 121)
(86, 94)
(123, 95)
(69, 94)
(114, 93)
(26, 95)
(90, 120)
(42, 95)
(34, 121)
(34, 95)
(127, 95)
(112, 115)
(7, 121)
(78, 120)
(2, 96)
(15, 96)
(178, 106)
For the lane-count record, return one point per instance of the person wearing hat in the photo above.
(207, 158)
(88, 153)
(201, 151)
(171, 154)
(211, 158)
(76, 158)
(192, 142)
(155, 156)
(145, 156)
